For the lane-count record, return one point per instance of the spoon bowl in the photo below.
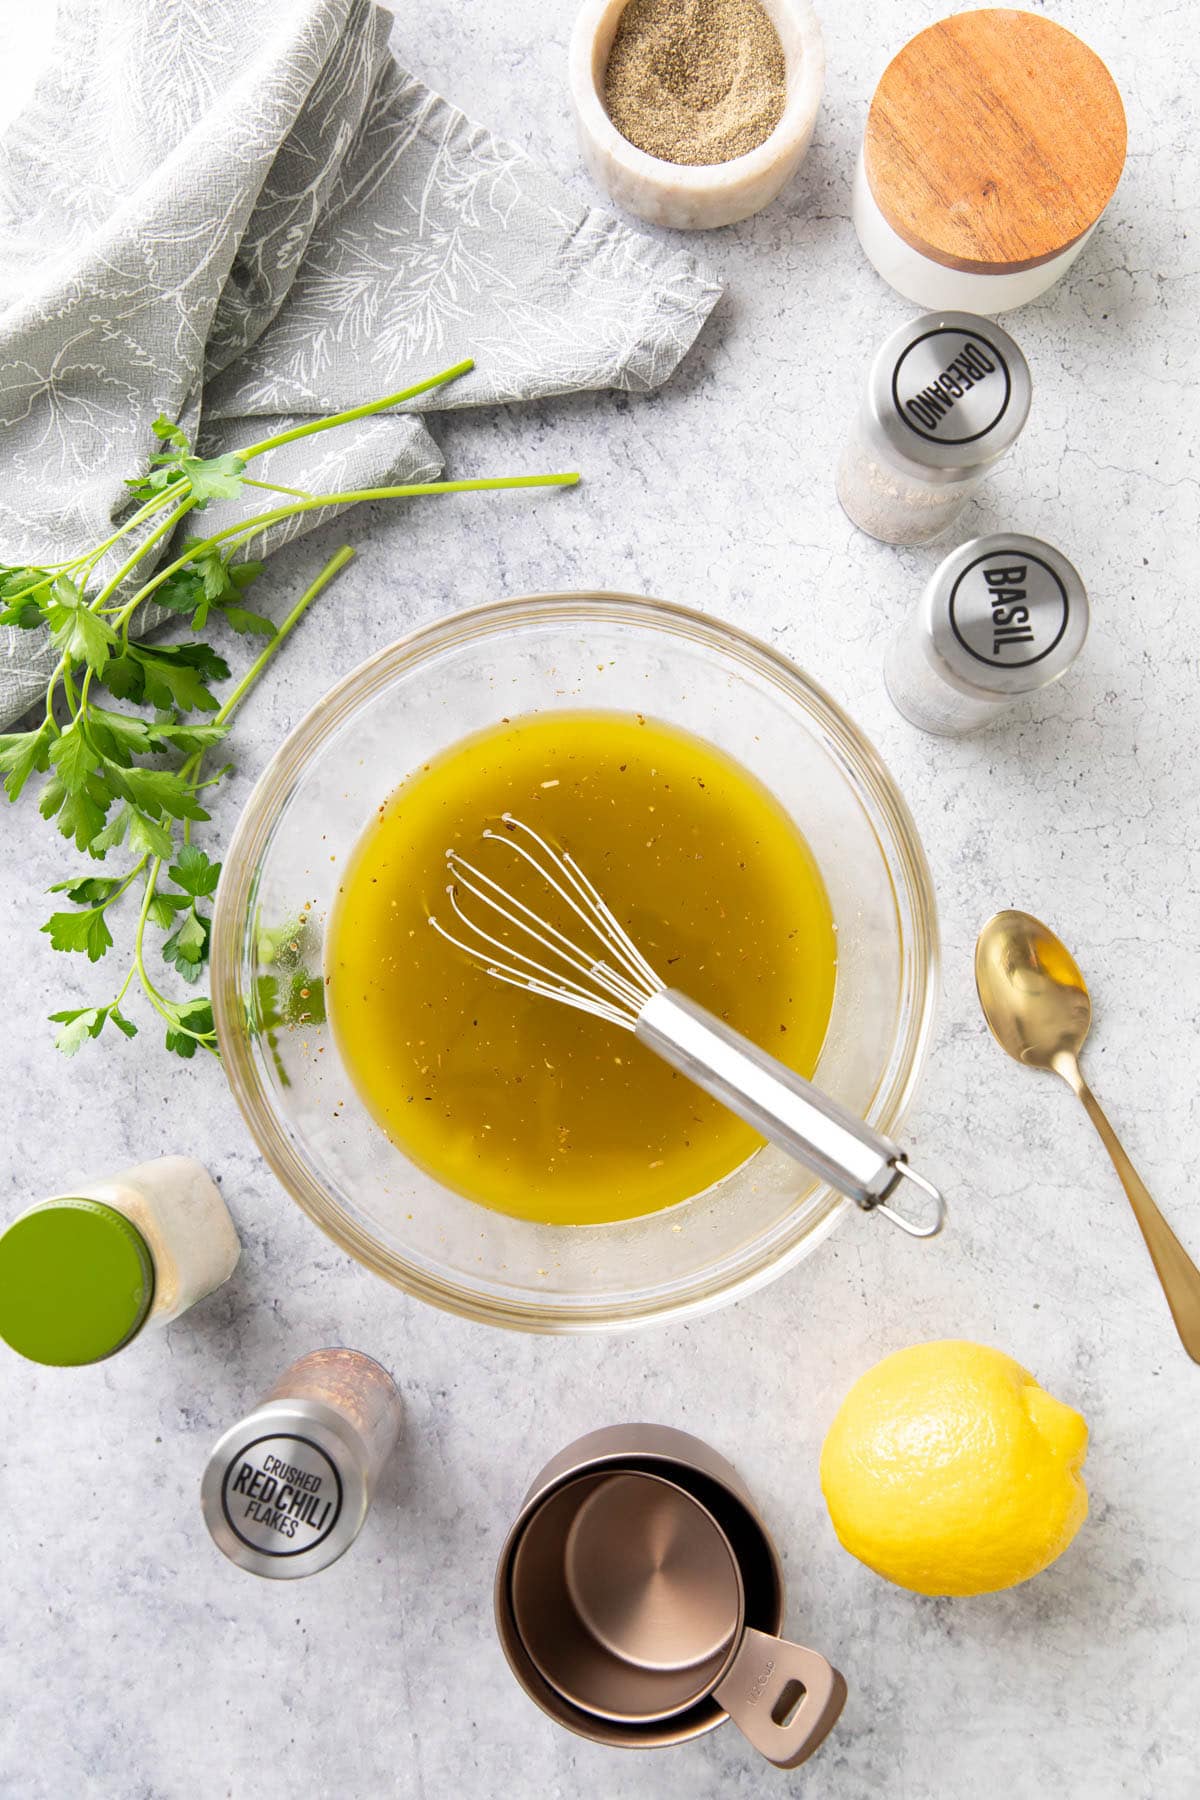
(1032, 992)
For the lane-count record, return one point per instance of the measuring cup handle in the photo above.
(761, 1689)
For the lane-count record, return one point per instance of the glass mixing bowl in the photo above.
(302, 821)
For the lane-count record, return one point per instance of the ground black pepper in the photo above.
(695, 81)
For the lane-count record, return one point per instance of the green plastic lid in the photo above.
(76, 1282)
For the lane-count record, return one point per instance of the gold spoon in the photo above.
(1036, 1003)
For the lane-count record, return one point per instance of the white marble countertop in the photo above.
(135, 1663)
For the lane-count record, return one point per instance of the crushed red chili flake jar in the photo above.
(287, 1489)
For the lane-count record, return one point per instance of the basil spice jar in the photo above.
(946, 397)
(1001, 617)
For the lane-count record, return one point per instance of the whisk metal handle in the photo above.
(819, 1132)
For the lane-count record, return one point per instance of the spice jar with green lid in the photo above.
(83, 1273)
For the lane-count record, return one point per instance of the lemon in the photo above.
(950, 1471)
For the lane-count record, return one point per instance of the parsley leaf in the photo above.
(168, 432)
(24, 753)
(80, 931)
(73, 757)
(149, 835)
(163, 907)
(242, 619)
(187, 737)
(182, 592)
(208, 582)
(187, 946)
(112, 835)
(79, 815)
(88, 890)
(22, 591)
(191, 1020)
(75, 630)
(82, 1022)
(207, 477)
(176, 675)
(156, 791)
(119, 736)
(213, 478)
(78, 1024)
(194, 873)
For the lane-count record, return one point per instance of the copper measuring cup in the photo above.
(639, 1601)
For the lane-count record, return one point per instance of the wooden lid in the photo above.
(994, 141)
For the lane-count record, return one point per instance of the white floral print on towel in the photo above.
(247, 210)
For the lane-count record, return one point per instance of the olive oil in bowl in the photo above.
(527, 1106)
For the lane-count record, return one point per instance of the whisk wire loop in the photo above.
(506, 949)
(581, 1001)
(614, 986)
(594, 912)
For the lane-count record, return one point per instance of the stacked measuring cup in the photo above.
(639, 1600)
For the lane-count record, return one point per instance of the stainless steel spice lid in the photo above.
(286, 1490)
(1004, 614)
(948, 392)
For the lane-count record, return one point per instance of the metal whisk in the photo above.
(607, 975)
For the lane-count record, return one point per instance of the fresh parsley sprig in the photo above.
(176, 878)
(119, 750)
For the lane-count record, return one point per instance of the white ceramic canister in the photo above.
(946, 397)
(1001, 617)
(993, 144)
(81, 1274)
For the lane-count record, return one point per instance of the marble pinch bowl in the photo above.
(694, 197)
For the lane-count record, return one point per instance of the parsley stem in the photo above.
(211, 781)
(191, 768)
(126, 882)
(336, 563)
(158, 1001)
(485, 484)
(275, 487)
(358, 412)
(90, 558)
(81, 566)
(248, 528)
(161, 530)
(56, 675)
(148, 988)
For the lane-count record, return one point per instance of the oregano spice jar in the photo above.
(287, 1489)
(945, 399)
(83, 1273)
(993, 144)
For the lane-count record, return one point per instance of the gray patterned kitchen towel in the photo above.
(245, 210)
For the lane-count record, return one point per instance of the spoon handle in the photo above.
(1177, 1272)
